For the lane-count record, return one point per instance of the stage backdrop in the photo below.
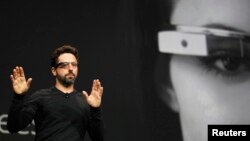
(109, 37)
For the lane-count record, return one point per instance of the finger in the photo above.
(12, 78)
(17, 71)
(101, 91)
(85, 94)
(94, 86)
(21, 72)
(98, 83)
(14, 73)
(29, 82)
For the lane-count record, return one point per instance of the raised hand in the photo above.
(95, 97)
(19, 83)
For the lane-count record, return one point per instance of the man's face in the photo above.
(214, 89)
(66, 69)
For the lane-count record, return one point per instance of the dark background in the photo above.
(117, 44)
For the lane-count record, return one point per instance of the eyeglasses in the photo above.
(65, 65)
(202, 41)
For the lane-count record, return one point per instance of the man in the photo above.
(61, 113)
(203, 69)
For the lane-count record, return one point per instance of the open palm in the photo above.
(19, 83)
(95, 97)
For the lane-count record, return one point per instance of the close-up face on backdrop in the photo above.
(212, 88)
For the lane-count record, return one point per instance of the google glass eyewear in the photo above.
(203, 41)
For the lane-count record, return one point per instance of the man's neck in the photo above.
(64, 89)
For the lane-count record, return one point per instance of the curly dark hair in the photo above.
(63, 49)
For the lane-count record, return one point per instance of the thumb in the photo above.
(29, 82)
(85, 94)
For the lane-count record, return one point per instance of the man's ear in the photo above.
(163, 82)
(53, 71)
(174, 103)
(169, 97)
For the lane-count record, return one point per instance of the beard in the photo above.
(67, 80)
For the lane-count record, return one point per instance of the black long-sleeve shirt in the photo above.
(58, 116)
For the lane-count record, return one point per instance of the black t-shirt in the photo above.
(58, 116)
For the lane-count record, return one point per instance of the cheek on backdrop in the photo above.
(207, 98)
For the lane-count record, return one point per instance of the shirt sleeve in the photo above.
(21, 113)
(96, 125)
